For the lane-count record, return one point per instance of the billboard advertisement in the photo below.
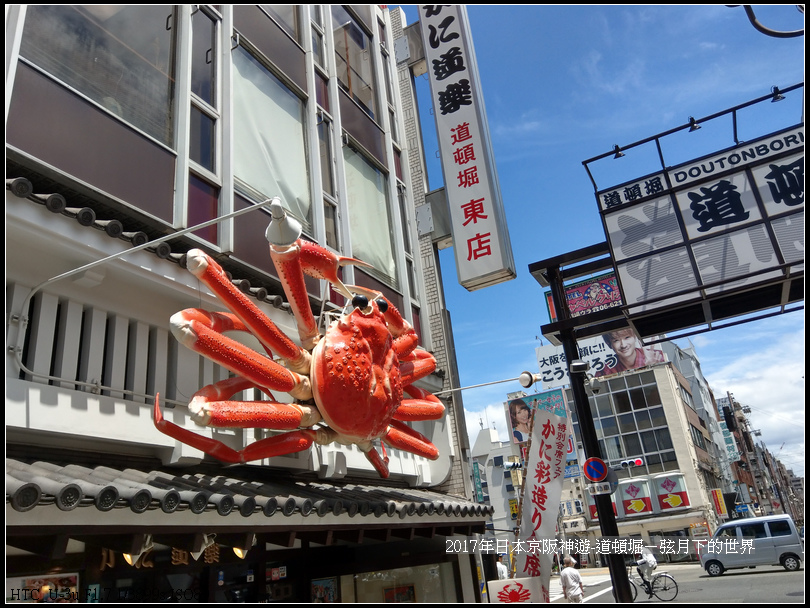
(587, 296)
(614, 352)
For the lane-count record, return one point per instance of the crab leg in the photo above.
(416, 365)
(292, 262)
(401, 436)
(210, 406)
(193, 328)
(424, 406)
(209, 272)
(376, 461)
(278, 445)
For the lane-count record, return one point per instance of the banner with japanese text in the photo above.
(481, 242)
(545, 471)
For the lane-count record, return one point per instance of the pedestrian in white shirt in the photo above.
(503, 573)
(571, 581)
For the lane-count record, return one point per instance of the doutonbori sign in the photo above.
(480, 236)
(729, 221)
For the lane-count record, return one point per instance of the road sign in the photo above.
(741, 508)
(595, 470)
(599, 488)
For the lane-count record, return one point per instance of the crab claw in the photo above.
(323, 264)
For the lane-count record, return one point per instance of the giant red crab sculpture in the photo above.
(347, 385)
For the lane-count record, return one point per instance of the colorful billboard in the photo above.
(591, 295)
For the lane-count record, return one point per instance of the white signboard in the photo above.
(480, 236)
(718, 223)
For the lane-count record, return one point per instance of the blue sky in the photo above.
(563, 84)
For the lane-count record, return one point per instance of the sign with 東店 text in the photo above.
(481, 242)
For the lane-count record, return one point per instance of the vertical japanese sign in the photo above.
(545, 471)
(719, 503)
(480, 236)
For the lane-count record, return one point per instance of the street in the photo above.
(764, 584)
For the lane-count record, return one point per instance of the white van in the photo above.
(756, 541)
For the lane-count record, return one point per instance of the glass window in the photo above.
(633, 380)
(643, 419)
(669, 460)
(286, 15)
(647, 377)
(202, 143)
(779, 528)
(753, 530)
(203, 55)
(270, 155)
(730, 532)
(603, 405)
(637, 398)
(648, 441)
(616, 385)
(627, 423)
(355, 60)
(652, 395)
(613, 448)
(331, 224)
(120, 56)
(609, 426)
(325, 148)
(621, 401)
(203, 205)
(658, 417)
(370, 215)
(664, 439)
(632, 444)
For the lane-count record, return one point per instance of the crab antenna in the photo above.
(284, 229)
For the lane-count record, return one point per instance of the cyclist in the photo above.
(645, 564)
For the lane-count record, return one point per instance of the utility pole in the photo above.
(590, 443)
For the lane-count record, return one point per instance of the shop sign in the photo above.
(478, 223)
(728, 220)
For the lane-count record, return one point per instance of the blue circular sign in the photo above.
(595, 470)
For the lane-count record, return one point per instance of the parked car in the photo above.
(772, 540)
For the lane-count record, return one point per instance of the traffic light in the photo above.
(633, 462)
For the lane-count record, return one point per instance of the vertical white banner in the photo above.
(545, 471)
(478, 222)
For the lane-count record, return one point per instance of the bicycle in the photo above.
(662, 586)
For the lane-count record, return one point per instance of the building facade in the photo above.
(131, 132)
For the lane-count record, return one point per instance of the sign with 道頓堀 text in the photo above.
(726, 221)
(481, 242)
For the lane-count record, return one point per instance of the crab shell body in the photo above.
(355, 376)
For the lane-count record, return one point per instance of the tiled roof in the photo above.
(69, 487)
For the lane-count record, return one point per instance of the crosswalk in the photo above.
(555, 588)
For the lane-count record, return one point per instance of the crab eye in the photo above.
(360, 301)
(382, 304)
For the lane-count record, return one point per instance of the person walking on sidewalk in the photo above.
(571, 581)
